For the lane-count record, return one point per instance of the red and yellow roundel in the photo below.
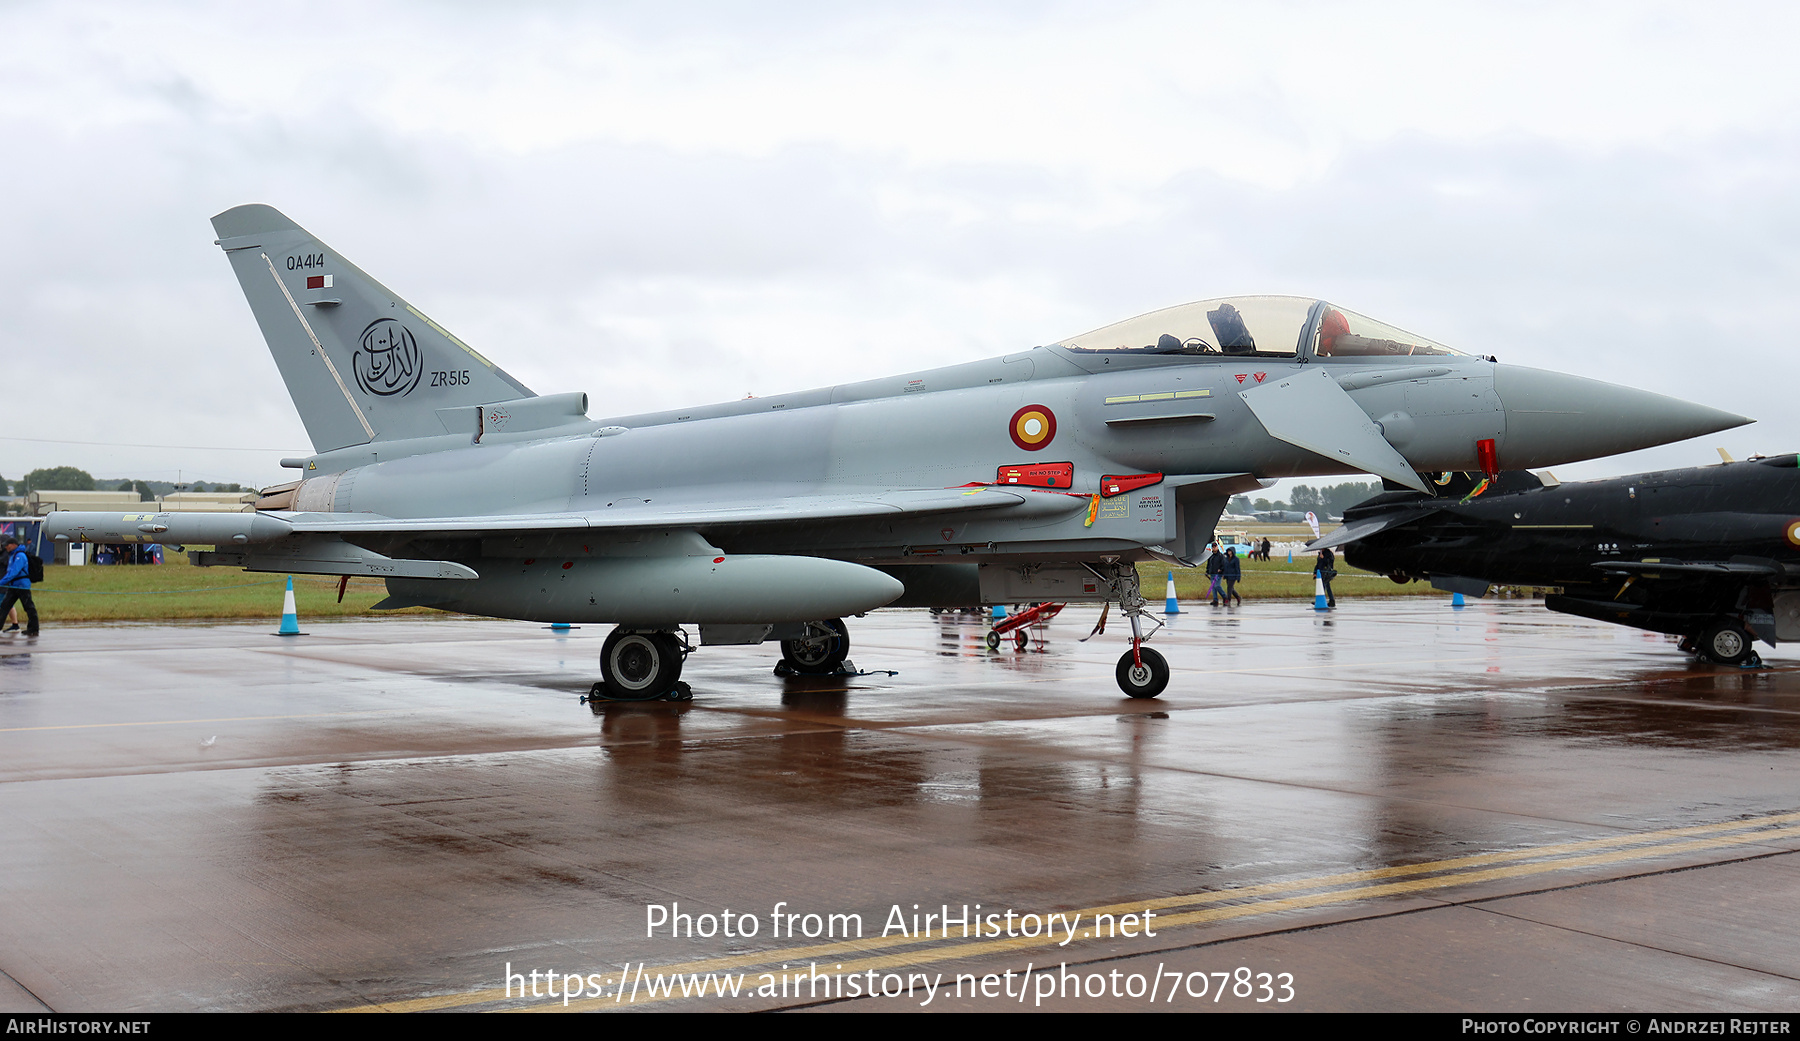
(1033, 427)
(1793, 532)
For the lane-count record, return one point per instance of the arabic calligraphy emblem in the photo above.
(388, 360)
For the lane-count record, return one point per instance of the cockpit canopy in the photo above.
(1255, 326)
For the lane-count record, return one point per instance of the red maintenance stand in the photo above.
(1036, 617)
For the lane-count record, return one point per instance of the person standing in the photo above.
(1326, 569)
(17, 583)
(1232, 572)
(1215, 566)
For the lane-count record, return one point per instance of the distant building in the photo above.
(39, 503)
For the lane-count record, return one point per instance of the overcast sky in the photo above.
(669, 204)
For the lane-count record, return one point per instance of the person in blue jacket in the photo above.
(1215, 569)
(17, 584)
(1233, 572)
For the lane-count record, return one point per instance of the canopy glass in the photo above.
(1256, 326)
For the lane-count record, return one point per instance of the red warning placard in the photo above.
(1119, 484)
(1038, 475)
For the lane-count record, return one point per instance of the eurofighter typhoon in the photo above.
(1045, 474)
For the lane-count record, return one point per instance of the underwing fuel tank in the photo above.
(659, 590)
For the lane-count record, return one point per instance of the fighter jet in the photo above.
(1711, 554)
(1041, 475)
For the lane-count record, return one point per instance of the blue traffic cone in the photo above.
(1456, 600)
(1319, 603)
(290, 619)
(1290, 554)
(1169, 606)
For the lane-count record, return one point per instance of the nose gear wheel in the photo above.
(1142, 676)
(1141, 673)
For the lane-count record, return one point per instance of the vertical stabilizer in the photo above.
(361, 364)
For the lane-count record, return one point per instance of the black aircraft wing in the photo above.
(1363, 527)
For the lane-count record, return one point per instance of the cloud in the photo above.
(666, 208)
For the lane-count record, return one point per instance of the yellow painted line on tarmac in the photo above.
(1362, 885)
(956, 951)
(1452, 864)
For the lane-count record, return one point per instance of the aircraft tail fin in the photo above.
(361, 363)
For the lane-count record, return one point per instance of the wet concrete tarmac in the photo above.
(1396, 806)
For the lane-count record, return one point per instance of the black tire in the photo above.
(639, 666)
(1020, 638)
(1727, 643)
(993, 640)
(1146, 682)
(819, 655)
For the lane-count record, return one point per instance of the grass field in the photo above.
(181, 592)
(1279, 580)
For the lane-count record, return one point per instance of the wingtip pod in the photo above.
(169, 529)
(1553, 418)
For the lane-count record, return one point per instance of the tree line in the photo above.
(72, 479)
(1332, 499)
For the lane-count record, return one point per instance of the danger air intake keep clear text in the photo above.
(962, 922)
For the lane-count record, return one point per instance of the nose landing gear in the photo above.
(1141, 672)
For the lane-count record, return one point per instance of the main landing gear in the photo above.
(1142, 673)
(1727, 643)
(645, 664)
(640, 665)
(821, 652)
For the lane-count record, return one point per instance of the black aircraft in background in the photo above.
(1711, 554)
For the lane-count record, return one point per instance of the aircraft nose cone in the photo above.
(1555, 418)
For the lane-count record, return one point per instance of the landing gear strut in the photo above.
(641, 666)
(1142, 673)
